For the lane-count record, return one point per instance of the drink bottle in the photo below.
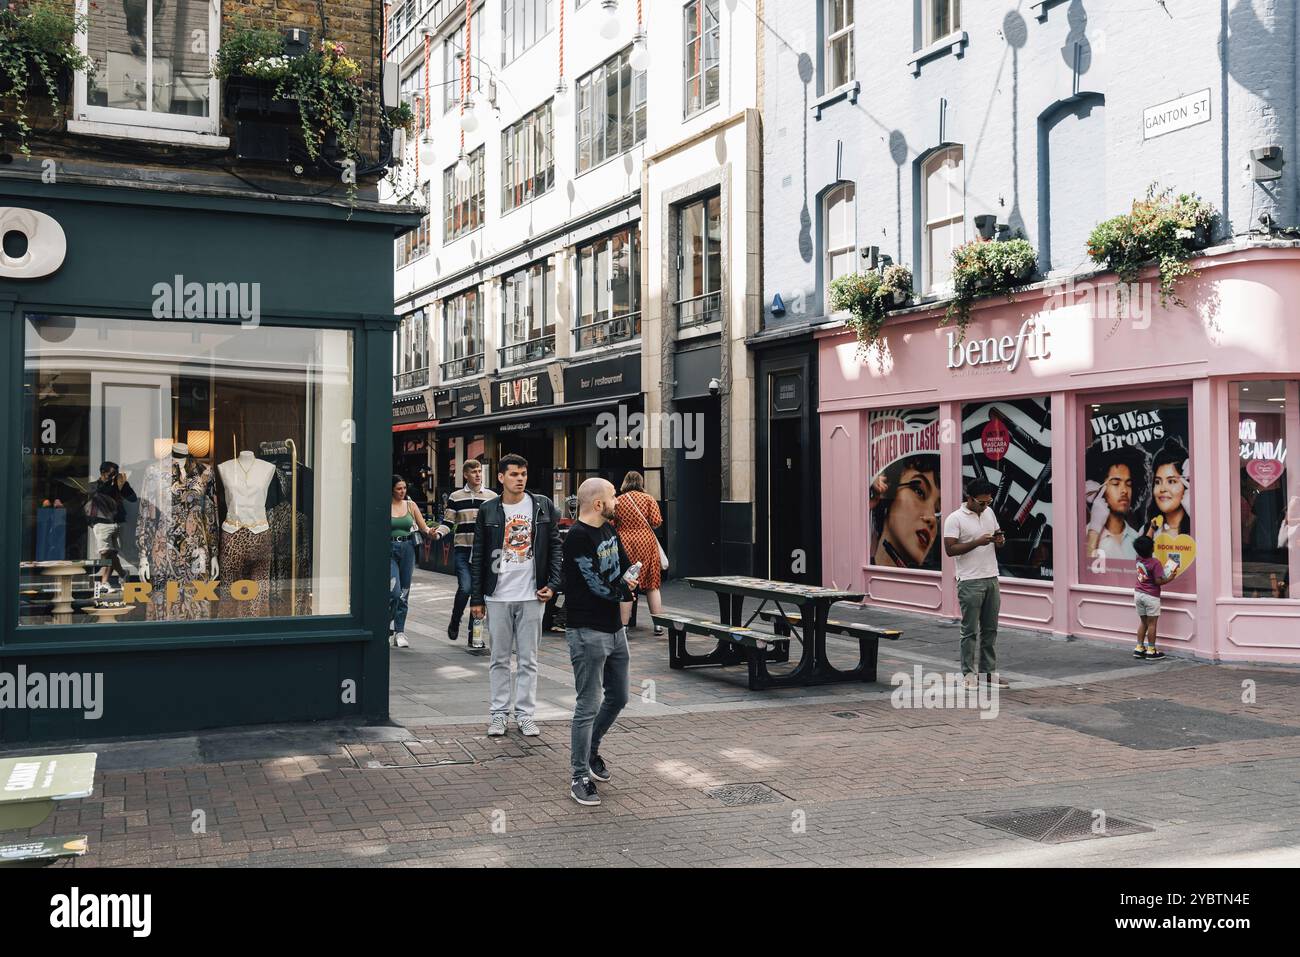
(633, 572)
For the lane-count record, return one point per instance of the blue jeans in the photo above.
(400, 567)
(599, 659)
(464, 584)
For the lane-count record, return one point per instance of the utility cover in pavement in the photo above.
(1057, 825)
(1156, 724)
(739, 795)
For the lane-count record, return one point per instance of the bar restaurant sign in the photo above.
(1175, 115)
(525, 392)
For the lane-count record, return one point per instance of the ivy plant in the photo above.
(38, 46)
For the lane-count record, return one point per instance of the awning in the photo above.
(415, 426)
(569, 410)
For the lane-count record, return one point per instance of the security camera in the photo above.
(715, 387)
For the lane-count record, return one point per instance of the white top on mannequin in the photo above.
(246, 479)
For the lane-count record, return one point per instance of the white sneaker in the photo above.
(497, 727)
(527, 726)
(392, 641)
(400, 641)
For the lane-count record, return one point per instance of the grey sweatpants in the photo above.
(515, 626)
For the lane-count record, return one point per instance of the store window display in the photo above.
(263, 530)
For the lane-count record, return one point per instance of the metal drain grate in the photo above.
(741, 795)
(845, 714)
(1058, 825)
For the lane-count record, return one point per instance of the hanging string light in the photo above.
(609, 22)
(561, 105)
(425, 153)
(640, 58)
(462, 165)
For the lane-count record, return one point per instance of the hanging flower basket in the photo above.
(985, 266)
(867, 297)
(38, 56)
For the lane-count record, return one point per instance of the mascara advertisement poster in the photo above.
(1137, 481)
(903, 499)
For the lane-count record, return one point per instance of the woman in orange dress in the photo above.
(635, 517)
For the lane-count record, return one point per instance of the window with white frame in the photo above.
(837, 25)
(464, 208)
(415, 244)
(527, 158)
(703, 62)
(462, 335)
(841, 232)
(528, 314)
(609, 289)
(152, 62)
(523, 23)
(943, 204)
(412, 371)
(699, 262)
(453, 50)
(611, 110)
(942, 17)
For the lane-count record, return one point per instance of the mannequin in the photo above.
(176, 534)
(245, 534)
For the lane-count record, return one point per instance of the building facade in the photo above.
(1039, 123)
(204, 326)
(588, 260)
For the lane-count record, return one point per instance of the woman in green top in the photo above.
(403, 515)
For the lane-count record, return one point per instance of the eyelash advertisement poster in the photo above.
(1137, 481)
(1009, 443)
(903, 497)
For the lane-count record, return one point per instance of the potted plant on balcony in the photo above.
(320, 88)
(1163, 229)
(402, 117)
(867, 297)
(38, 55)
(986, 266)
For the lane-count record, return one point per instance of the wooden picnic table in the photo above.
(813, 602)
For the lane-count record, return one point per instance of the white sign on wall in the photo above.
(1176, 114)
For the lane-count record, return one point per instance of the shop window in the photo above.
(523, 23)
(1136, 481)
(703, 64)
(226, 478)
(1009, 443)
(904, 498)
(1266, 543)
(609, 290)
(528, 314)
(611, 110)
(462, 331)
(943, 206)
(149, 69)
(699, 263)
(464, 207)
(837, 26)
(412, 370)
(527, 158)
(841, 232)
(942, 17)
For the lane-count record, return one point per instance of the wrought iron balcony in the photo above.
(529, 351)
(415, 379)
(606, 332)
(462, 367)
(699, 310)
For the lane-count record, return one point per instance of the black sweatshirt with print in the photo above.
(594, 564)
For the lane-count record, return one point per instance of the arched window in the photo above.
(839, 213)
(943, 205)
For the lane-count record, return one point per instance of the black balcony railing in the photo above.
(464, 366)
(699, 310)
(415, 379)
(529, 351)
(606, 332)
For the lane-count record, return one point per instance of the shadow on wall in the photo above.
(805, 217)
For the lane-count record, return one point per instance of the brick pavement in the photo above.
(854, 780)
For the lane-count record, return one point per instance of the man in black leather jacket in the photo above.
(514, 570)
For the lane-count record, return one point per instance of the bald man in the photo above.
(594, 586)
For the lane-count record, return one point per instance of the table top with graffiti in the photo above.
(743, 584)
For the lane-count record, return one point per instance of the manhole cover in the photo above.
(739, 795)
(845, 714)
(1058, 825)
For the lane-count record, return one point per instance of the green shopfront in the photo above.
(228, 357)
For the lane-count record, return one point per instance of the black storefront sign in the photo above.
(524, 392)
(411, 408)
(469, 401)
(606, 379)
(444, 404)
(787, 392)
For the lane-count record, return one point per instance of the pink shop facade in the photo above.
(1100, 416)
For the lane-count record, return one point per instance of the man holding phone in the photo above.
(970, 537)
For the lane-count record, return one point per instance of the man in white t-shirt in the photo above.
(514, 570)
(970, 536)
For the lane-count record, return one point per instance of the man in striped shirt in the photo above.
(462, 511)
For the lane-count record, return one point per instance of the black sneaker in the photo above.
(1153, 655)
(1138, 652)
(453, 631)
(596, 768)
(584, 792)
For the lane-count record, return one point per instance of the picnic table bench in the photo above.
(869, 637)
(29, 788)
(735, 645)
